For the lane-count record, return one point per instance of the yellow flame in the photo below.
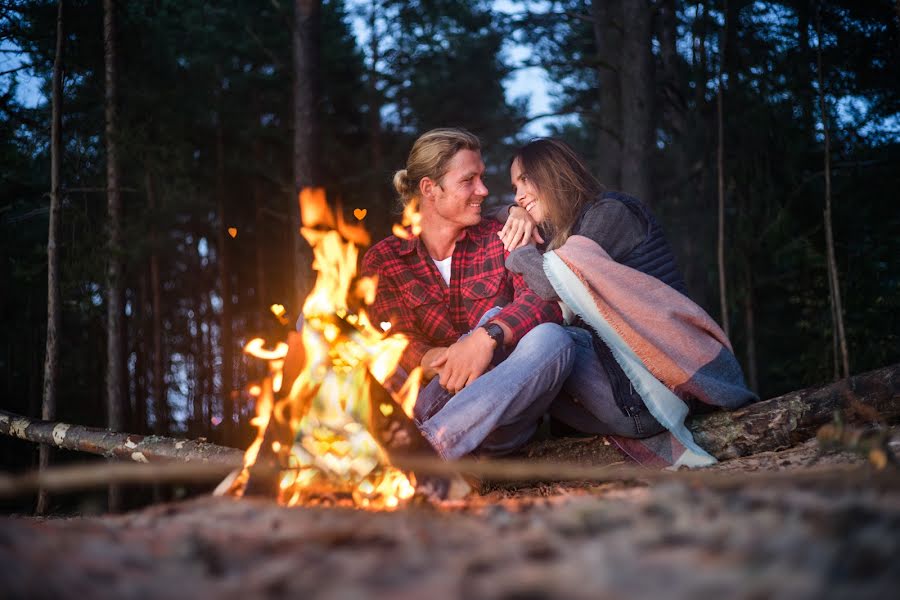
(411, 225)
(314, 210)
(410, 391)
(255, 348)
(329, 401)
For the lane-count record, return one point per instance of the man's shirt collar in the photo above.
(414, 242)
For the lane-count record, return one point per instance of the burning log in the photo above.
(262, 477)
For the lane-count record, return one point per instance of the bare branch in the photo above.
(83, 477)
(19, 68)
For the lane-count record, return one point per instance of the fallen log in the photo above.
(114, 444)
(784, 421)
(773, 424)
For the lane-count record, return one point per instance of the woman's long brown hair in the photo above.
(562, 181)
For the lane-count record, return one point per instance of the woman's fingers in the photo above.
(506, 235)
(515, 234)
(519, 229)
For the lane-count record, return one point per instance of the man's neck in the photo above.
(439, 237)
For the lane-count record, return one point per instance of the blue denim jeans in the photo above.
(588, 403)
(501, 410)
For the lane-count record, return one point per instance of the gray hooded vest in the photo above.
(653, 256)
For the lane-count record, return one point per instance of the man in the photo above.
(493, 350)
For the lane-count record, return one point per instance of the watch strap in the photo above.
(495, 332)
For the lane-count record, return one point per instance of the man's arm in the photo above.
(525, 312)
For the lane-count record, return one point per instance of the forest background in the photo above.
(752, 116)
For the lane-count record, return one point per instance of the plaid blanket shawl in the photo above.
(667, 345)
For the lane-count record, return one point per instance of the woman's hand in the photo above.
(519, 230)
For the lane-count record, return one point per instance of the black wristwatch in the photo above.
(495, 332)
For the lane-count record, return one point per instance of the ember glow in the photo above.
(331, 372)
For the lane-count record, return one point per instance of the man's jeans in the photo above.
(501, 410)
(588, 403)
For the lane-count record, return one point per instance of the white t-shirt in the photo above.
(444, 267)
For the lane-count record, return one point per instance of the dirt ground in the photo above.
(790, 524)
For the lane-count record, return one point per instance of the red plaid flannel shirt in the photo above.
(414, 298)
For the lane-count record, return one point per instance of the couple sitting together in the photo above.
(567, 303)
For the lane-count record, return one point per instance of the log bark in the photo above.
(773, 424)
(114, 444)
(787, 420)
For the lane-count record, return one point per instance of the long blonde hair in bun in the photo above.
(430, 157)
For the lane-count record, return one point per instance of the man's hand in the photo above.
(465, 361)
(519, 230)
(437, 354)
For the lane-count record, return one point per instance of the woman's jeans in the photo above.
(501, 410)
(588, 402)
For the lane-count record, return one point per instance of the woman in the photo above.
(620, 244)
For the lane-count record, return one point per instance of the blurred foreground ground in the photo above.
(790, 524)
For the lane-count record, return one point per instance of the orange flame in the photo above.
(411, 225)
(328, 405)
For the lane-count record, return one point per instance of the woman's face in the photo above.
(526, 193)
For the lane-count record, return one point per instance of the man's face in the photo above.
(460, 193)
(526, 194)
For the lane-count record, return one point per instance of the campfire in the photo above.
(324, 419)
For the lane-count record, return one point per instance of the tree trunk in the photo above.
(700, 54)
(114, 310)
(376, 146)
(225, 291)
(608, 27)
(160, 402)
(804, 72)
(720, 173)
(382, 219)
(215, 402)
(306, 128)
(683, 211)
(637, 99)
(837, 310)
(750, 324)
(199, 424)
(263, 301)
(54, 309)
(675, 107)
(141, 385)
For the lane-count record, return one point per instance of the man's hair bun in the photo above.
(401, 183)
